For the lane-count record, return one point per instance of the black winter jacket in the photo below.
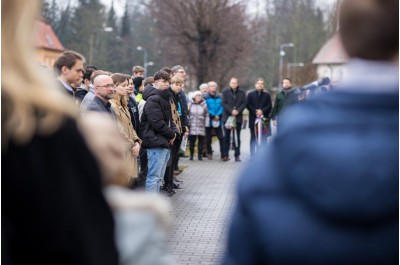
(156, 127)
(256, 100)
(233, 100)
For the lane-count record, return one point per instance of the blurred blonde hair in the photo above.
(31, 101)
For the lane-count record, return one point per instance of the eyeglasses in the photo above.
(108, 86)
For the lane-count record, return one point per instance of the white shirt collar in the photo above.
(67, 87)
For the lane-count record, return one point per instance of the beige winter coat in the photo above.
(125, 125)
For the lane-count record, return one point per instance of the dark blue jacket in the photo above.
(326, 190)
(214, 105)
(134, 112)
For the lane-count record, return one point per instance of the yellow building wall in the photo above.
(47, 57)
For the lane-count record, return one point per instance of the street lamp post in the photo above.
(145, 63)
(281, 55)
(145, 67)
(289, 65)
(91, 41)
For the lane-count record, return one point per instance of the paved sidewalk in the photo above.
(202, 210)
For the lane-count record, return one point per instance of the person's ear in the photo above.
(64, 69)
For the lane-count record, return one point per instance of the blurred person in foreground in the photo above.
(326, 190)
(53, 209)
(54, 168)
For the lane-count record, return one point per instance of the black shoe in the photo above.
(237, 159)
(176, 187)
(191, 158)
(170, 193)
(200, 158)
(181, 154)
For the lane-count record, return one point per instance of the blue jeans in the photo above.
(157, 163)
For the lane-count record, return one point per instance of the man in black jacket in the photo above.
(233, 102)
(259, 105)
(157, 129)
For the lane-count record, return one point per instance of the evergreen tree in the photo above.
(49, 13)
(125, 23)
(87, 34)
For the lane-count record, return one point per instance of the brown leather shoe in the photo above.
(225, 158)
(237, 159)
(209, 157)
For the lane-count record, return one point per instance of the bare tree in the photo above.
(211, 38)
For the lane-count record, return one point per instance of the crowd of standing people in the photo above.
(154, 115)
(72, 144)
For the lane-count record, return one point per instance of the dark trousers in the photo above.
(192, 139)
(169, 172)
(218, 132)
(176, 149)
(141, 183)
(227, 140)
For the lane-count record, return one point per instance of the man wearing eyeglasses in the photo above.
(104, 90)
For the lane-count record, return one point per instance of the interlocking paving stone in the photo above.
(201, 212)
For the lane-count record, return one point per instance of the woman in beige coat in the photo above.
(120, 108)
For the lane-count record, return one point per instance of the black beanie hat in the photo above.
(137, 82)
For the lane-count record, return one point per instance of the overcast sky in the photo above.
(254, 6)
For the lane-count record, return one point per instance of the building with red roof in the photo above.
(48, 46)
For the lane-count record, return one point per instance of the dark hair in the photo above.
(162, 75)
(68, 59)
(167, 70)
(286, 78)
(260, 79)
(88, 73)
(137, 82)
(369, 28)
(91, 67)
